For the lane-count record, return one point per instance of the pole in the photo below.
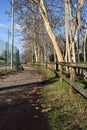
(6, 54)
(7, 47)
(12, 35)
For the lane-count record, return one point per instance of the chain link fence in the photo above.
(5, 56)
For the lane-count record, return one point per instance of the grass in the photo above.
(64, 111)
(5, 71)
(82, 83)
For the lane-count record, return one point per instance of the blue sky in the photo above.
(5, 23)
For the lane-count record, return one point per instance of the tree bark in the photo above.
(85, 45)
(51, 34)
(68, 56)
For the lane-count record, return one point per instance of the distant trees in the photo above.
(41, 21)
(34, 30)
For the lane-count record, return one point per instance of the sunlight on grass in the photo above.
(67, 112)
(64, 111)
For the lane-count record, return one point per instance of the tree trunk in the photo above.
(68, 57)
(34, 34)
(51, 34)
(72, 29)
(85, 45)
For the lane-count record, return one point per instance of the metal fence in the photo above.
(6, 55)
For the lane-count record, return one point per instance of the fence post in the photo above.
(56, 70)
(61, 71)
(72, 78)
(17, 58)
(46, 65)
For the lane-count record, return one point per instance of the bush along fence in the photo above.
(71, 73)
(6, 55)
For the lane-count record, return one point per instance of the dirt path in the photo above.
(20, 107)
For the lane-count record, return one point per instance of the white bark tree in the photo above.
(51, 34)
(72, 23)
(67, 27)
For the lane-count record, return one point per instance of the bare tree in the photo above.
(72, 24)
(51, 34)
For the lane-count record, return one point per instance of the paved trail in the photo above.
(20, 107)
(29, 75)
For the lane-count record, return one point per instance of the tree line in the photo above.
(53, 27)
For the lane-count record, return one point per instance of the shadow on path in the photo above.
(22, 109)
(34, 84)
(23, 113)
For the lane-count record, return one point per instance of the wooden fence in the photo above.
(69, 72)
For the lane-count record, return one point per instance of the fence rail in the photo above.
(72, 70)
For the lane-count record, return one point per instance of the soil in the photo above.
(20, 107)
